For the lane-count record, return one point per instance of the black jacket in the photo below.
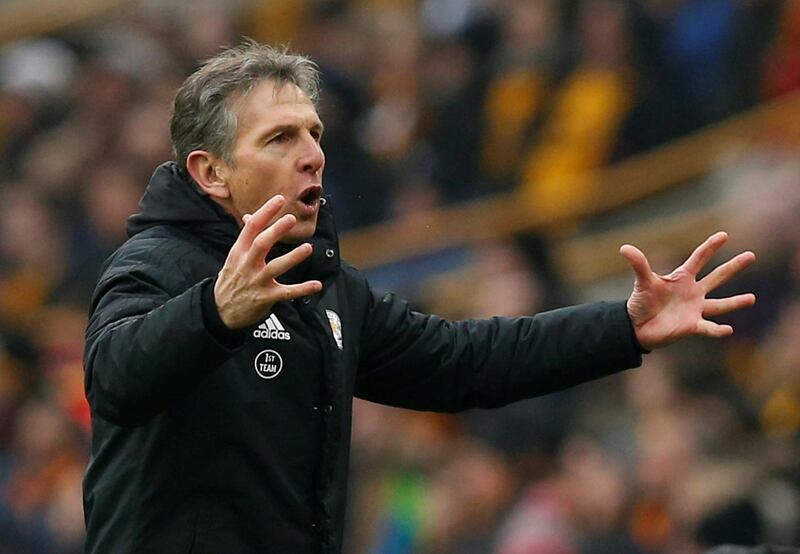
(210, 441)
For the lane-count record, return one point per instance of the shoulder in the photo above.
(163, 254)
(355, 283)
(351, 274)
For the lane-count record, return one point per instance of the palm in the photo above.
(666, 308)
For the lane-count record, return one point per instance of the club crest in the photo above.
(336, 327)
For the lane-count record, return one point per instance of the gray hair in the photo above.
(203, 118)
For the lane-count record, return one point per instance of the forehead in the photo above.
(270, 103)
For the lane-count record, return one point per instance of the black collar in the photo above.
(173, 199)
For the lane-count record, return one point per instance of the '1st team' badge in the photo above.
(268, 364)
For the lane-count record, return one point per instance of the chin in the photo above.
(301, 232)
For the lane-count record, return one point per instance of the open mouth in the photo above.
(311, 195)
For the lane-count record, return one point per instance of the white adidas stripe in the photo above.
(277, 323)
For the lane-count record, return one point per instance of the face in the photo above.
(277, 151)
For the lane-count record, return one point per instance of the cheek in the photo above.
(245, 195)
(262, 179)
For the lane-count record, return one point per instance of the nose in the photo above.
(312, 160)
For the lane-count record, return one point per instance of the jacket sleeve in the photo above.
(423, 362)
(145, 347)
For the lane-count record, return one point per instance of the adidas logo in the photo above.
(272, 329)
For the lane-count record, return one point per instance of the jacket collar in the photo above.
(172, 199)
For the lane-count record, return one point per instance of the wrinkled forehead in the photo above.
(270, 92)
(274, 103)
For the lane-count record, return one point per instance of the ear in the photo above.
(209, 173)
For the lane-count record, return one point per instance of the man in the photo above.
(227, 339)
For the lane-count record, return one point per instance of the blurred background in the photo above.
(484, 157)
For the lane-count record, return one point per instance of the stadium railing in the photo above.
(594, 255)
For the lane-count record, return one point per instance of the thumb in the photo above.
(639, 263)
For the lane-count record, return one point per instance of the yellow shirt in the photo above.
(513, 100)
(578, 136)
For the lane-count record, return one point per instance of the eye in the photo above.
(316, 134)
(278, 139)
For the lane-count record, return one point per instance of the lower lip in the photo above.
(308, 209)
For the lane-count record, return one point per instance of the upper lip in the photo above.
(313, 192)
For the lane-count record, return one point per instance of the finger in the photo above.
(267, 238)
(723, 273)
(256, 222)
(307, 288)
(639, 263)
(713, 330)
(704, 252)
(282, 264)
(719, 306)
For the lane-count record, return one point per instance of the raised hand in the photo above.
(246, 287)
(666, 308)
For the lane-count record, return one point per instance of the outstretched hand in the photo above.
(246, 287)
(666, 308)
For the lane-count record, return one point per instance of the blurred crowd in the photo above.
(428, 102)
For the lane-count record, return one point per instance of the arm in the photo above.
(423, 362)
(143, 348)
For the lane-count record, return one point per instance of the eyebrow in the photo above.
(282, 127)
